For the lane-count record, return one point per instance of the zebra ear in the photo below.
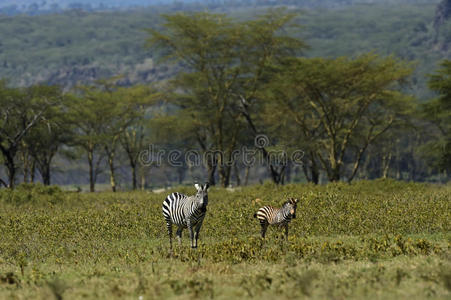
(197, 186)
(296, 200)
(207, 185)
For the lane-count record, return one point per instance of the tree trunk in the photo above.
(366, 166)
(237, 175)
(132, 159)
(413, 165)
(288, 173)
(211, 174)
(315, 173)
(91, 171)
(335, 174)
(11, 170)
(33, 171)
(306, 174)
(246, 175)
(224, 174)
(314, 170)
(398, 165)
(445, 176)
(277, 175)
(357, 162)
(26, 166)
(45, 173)
(181, 171)
(143, 178)
(332, 167)
(133, 166)
(3, 183)
(112, 172)
(386, 159)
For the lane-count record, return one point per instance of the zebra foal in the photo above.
(186, 212)
(268, 215)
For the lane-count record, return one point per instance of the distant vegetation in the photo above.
(80, 46)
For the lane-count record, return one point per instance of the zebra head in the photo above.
(291, 204)
(202, 193)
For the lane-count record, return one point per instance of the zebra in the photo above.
(268, 215)
(186, 212)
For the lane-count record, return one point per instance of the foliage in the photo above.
(21, 110)
(100, 115)
(224, 60)
(337, 107)
(42, 143)
(32, 193)
(438, 112)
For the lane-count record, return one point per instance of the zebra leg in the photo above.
(196, 233)
(286, 231)
(178, 233)
(191, 234)
(264, 225)
(169, 226)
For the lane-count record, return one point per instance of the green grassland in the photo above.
(374, 239)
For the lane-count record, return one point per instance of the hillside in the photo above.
(78, 46)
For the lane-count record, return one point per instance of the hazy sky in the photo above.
(45, 4)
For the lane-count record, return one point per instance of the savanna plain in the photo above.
(379, 239)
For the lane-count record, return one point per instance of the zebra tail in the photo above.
(255, 215)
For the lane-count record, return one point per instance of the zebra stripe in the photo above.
(268, 215)
(186, 212)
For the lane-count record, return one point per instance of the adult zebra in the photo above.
(186, 212)
(268, 215)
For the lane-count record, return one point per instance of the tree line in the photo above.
(352, 117)
(92, 122)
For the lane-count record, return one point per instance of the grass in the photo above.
(374, 239)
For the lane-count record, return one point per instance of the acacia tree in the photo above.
(86, 116)
(132, 141)
(122, 110)
(224, 62)
(101, 113)
(341, 105)
(205, 44)
(286, 118)
(437, 111)
(21, 109)
(50, 133)
(132, 136)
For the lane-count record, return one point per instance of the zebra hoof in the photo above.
(194, 247)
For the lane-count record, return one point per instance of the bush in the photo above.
(32, 193)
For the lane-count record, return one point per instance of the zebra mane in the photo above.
(291, 201)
